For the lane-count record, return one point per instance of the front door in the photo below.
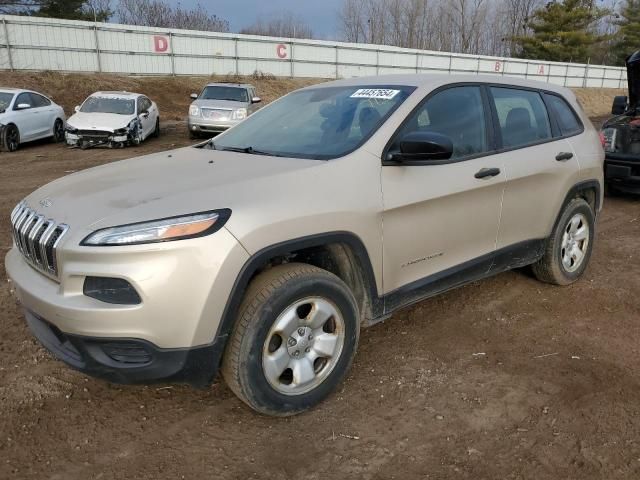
(441, 220)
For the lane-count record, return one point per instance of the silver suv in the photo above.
(220, 106)
(264, 251)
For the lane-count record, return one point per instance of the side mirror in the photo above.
(256, 100)
(23, 106)
(144, 114)
(76, 108)
(194, 96)
(422, 147)
(619, 105)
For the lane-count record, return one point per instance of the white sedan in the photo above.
(113, 119)
(27, 116)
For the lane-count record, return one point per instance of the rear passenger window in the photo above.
(456, 112)
(39, 100)
(567, 119)
(522, 115)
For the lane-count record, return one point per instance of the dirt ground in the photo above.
(505, 378)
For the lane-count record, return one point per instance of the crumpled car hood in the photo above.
(99, 121)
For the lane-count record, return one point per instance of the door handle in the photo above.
(487, 172)
(564, 156)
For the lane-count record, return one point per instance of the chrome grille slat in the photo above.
(37, 238)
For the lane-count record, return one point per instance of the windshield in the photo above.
(120, 106)
(5, 100)
(320, 123)
(233, 94)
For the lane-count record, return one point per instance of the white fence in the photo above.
(32, 43)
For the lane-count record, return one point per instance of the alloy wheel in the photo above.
(303, 346)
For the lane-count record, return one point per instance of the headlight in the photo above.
(194, 111)
(240, 114)
(163, 230)
(70, 129)
(121, 131)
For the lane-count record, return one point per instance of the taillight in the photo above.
(603, 140)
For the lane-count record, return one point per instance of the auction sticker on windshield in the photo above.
(380, 93)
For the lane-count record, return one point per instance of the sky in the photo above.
(321, 15)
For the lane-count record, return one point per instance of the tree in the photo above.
(285, 25)
(69, 9)
(158, 13)
(628, 37)
(562, 32)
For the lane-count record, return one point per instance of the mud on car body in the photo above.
(113, 119)
(622, 135)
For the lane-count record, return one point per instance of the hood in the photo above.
(219, 104)
(178, 182)
(99, 121)
(633, 79)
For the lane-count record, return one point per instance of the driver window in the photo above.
(456, 112)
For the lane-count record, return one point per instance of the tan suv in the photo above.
(264, 251)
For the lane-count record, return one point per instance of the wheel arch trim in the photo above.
(260, 258)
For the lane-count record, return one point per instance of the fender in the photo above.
(260, 258)
(573, 193)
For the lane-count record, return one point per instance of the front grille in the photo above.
(37, 238)
(222, 114)
(95, 133)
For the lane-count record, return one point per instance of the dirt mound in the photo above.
(597, 101)
(170, 93)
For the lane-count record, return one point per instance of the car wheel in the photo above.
(294, 339)
(156, 131)
(11, 140)
(193, 135)
(569, 248)
(58, 131)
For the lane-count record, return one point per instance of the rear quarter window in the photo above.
(568, 122)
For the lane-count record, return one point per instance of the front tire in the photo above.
(58, 131)
(569, 248)
(294, 339)
(11, 138)
(156, 131)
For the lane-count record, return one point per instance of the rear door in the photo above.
(540, 168)
(440, 220)
(45, 115)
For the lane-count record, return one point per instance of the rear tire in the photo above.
(569, 248)
(294, 340)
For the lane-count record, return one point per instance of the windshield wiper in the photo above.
(250, 150)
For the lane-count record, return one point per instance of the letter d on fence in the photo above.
(160, 44)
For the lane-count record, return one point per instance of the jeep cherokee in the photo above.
(263, 252)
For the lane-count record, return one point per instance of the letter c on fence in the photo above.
(281, 51)
(160, 44)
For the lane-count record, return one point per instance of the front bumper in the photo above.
(200, 125)
(624, 174)
(98, 139)
(184, 287)
(128, 361)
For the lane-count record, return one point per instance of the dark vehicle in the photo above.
(622, 135)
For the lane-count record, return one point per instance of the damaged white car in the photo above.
(113, 119)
